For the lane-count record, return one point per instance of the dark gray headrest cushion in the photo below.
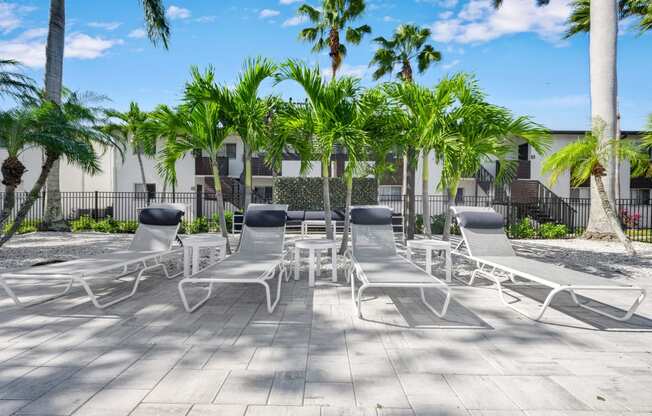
(371, 216)
(477, 219)
(265, 218)
(160, 216)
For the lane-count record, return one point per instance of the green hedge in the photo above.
(306, 194)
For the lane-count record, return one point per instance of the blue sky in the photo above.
(517, 53)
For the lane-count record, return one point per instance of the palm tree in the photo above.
(128, 130)
(585, 158)
(71, 130)
(167, 124)
(603, 38)
(204, 129)
(407, 45)
(580, 18)
(473, 132)
(249, 112)
(16, 135)
(329, 20)
(330, 118)
(158, 30)
(13, 83)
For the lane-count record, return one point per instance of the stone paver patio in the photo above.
(147, 356)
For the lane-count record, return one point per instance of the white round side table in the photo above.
(429, 246)
(314, 247)
(192, 247)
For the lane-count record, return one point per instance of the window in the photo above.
(641, 196)
(389, 190)
(141, 193)
(228, 150)
(580, 193)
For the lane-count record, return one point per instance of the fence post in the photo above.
(199, 204)
(96, 212)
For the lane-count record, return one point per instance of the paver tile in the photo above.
(245, 387)
(188, 386)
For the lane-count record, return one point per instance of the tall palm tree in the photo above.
(329, 116)
(73, 131)
(329, 20)
(158, 30)
(585, 158)
(408, 44)
(204, 129)
(128, 129)
(580, 18)
(603, 39)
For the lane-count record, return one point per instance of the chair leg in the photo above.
(43, 299)
(94, 298)
(271, 306)
(630, 312)
(184, 299)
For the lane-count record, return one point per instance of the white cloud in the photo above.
(286, 2)
(206, 19)
(450, 65)
(479, 22)
(177, 13)
(295, 21)
(82, 46)
(105, 25)
(29, 47)
(267, 13)
(389, 19)
(138, 34)
(357, 71)
(9, 16)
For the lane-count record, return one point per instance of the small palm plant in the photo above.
(330, 117)
(586, 159)
(329, 20)
(204, 128)
(127, 129)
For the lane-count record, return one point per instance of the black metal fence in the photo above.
(544, 218)
(537, 219)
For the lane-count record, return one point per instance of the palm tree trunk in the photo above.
(411, 194)
(450, 201)
(334, 43)
(220, 202)
(327, 198)
(347, 214)
(425, 199)
(613, 218)
(7, 204)
(247, 176)
(143, 179)
(53, 85)
(603, 54)
(165, 190)
(31, 198)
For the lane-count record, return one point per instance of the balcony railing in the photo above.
(203, 166)
(259, 167)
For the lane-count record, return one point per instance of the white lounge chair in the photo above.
(487, 244)
(154, 238)
(374, 260)
(260, 256)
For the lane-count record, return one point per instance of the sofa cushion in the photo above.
(296, 215)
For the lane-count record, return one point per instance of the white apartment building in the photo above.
(193, 172)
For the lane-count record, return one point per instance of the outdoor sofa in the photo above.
(486, 243)
(154, 238)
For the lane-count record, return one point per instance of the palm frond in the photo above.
(158, 28)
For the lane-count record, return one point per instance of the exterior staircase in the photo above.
(533, 199)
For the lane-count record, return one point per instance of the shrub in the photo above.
(84, 223)
(27, 226)
(107, 225)
(437, 223)
(522, 229)
(228, 217)
(552, 231)
(418, 224)
(198, 225)
(127, 227)
(630, 220)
